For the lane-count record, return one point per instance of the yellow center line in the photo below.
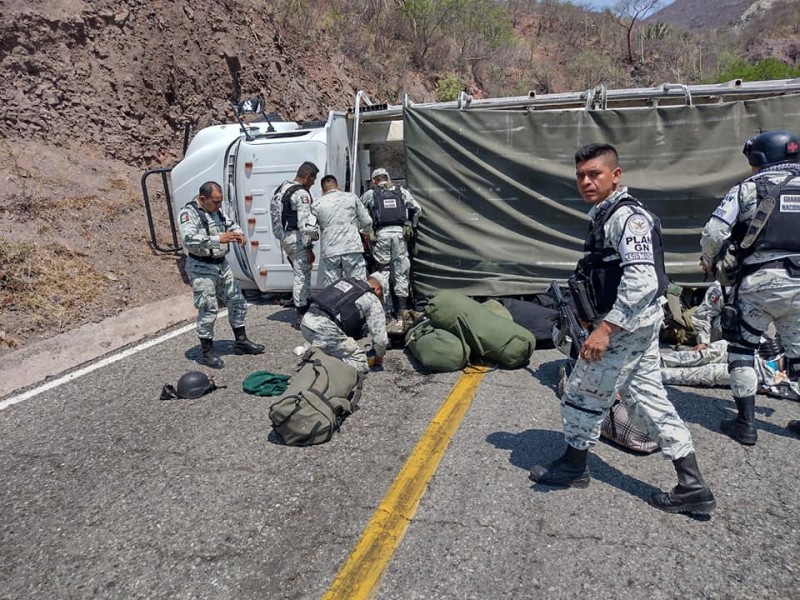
(359, 575)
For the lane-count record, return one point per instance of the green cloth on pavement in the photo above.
(264, 383)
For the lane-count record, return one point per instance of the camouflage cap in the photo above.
(379, 173)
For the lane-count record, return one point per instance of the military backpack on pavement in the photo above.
(490, 337)
(437, 350)
(319, 397)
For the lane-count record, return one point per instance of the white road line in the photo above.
(93, 367)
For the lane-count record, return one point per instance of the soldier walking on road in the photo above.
(340, 217)
(292, 226)
(338, 316)
(623, 266)
(395, 215)
(759, 218)
(207, 232)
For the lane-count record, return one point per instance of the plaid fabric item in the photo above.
(617, 427)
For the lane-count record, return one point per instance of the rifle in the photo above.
(567, 319)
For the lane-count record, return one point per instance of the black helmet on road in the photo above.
(191, 385)
(771, 148)
(194, 384)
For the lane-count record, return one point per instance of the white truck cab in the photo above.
(250, 161)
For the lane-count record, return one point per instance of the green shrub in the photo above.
(448, 88)
(763, 70)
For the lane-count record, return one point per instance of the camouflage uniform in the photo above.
(323, 332)
(709, 367)
(631, 364)
(703, 368)
(390, 249)
(210, 280)
(295, 242)
(340, 216)
(705, 319)
(768, 295)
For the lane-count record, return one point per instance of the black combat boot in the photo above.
(244, 346)
(400, 307)
(300, 310)
(794, 427)
(568, 471)
(210, 358)
(742, 428)
(691, 495)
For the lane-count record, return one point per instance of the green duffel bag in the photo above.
(437, 350)
(490, 337)
(319, 397)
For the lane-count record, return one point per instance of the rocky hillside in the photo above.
(694, 15)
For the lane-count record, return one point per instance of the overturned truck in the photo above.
(495, 177)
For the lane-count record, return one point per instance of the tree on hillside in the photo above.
(628, 12)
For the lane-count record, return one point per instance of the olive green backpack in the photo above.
(322, 393)
(437, 350)
(490, 337)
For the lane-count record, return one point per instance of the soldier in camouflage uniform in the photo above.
(340, 217)
(338, 316)
(207, 232)
(760, 216)
(293, 227)
(706, 365)
(394, 219)
(621, 353)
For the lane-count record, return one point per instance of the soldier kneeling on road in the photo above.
(337, 317)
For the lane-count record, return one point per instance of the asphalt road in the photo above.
(109, 492)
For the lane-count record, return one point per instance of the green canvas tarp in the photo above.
(502, 215)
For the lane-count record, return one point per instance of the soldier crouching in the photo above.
(337, 317)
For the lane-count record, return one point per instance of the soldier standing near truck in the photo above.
(623, 269)
(751, 244)
(207, 232)
(340, 217)
(292, 226)
(395, 215)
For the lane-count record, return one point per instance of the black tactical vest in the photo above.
(289, 214)
(338, 301)
(603, 276)
(781, 232)
(203, 215)
(388, 207)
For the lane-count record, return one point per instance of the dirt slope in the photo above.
(94, 93)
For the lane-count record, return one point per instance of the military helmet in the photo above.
(771, 148)
(194, 384)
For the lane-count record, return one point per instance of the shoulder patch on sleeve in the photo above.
(636, 243)
(728, 209)
(185, 217)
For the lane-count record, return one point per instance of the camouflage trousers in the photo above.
(211, 283)
(334, 268)
(297, 254)
(320, 331)
(702, 368)
(391, 254)
(767, 296)
(631, 365)
(709, 368)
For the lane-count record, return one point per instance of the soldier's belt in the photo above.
(214, 260)
(780, 263)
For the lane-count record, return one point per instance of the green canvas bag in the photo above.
(319, 397)
(437, 350)
(490, 337)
